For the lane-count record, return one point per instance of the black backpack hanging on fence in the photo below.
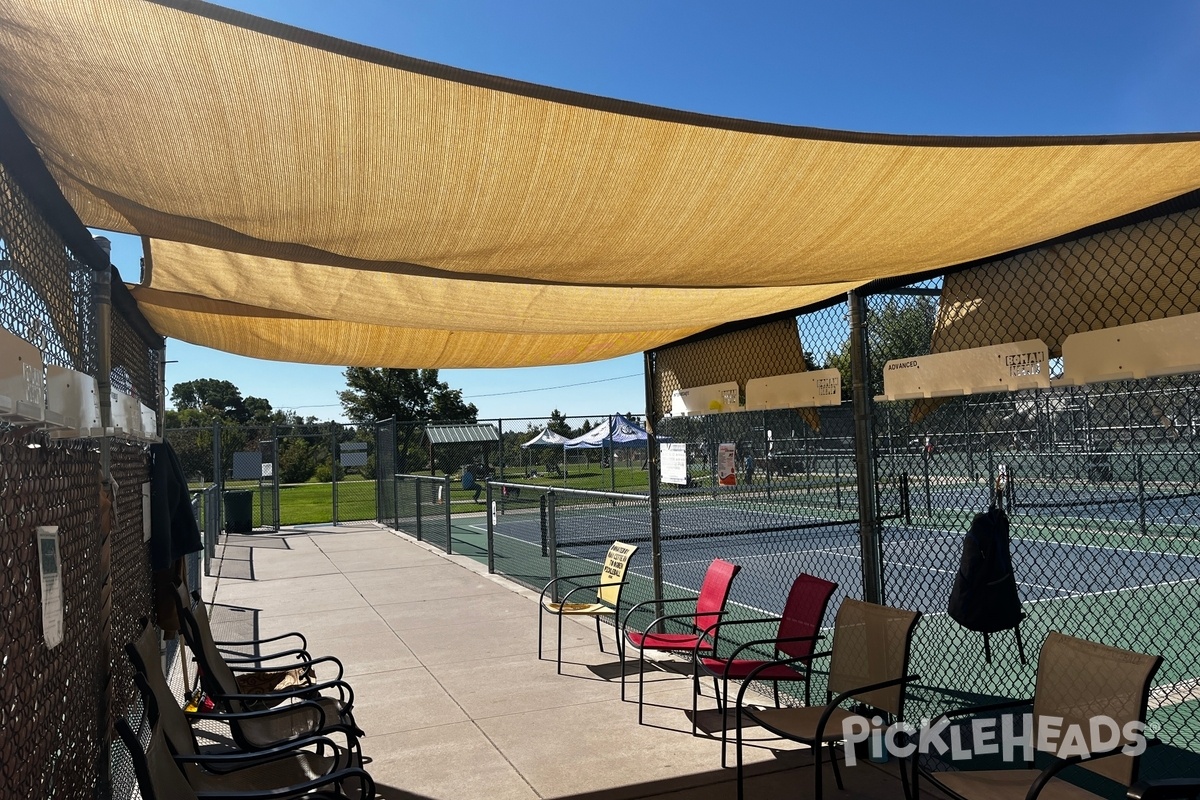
(984, 597)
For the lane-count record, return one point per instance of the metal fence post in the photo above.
(395, 502)
(218, 478)
(925, 458)
(491, 531)
(766, 454)
(552, 544)
(652, 466)
(867, 525)
(418, 490)
(275, 474)
(1141, 484)
(446, 481)
(333, 456)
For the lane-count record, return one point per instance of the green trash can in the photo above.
(239, 511)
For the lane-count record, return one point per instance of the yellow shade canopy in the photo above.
(308, 199)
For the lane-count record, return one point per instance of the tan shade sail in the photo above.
(405, 203)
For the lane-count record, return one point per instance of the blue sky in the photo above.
(923, 67)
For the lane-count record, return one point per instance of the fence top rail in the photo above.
(574, 492)
(433, 478)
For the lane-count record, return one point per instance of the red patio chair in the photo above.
(799, 631)
(705, 623)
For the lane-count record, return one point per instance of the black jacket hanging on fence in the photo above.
(984, 597)
(173, 531)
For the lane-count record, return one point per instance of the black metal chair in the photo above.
(314, 713)
(289, 762)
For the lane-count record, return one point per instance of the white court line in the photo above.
(950, 533)
(1173, 694)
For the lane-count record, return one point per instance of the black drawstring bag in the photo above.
(984, 597)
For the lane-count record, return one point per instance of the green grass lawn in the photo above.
(312, 503)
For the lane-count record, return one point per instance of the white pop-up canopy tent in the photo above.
(547, 438)
(616, 431)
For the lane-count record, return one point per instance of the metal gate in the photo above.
(355, 474)
(268, 485)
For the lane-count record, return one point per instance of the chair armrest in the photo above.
(1166, 789)
(235, 758)
(586, 586)
(553, 581)
(239, 656)
(689, 615)
(237, 667)
(265, 639)
(1059, 764)
(871, 687)
(337, 778)
(983, 709)
(756, 642)
(721, 623)
(345, 692)
(265, 713)
(758, 620)
(636, 606)
(777, 662)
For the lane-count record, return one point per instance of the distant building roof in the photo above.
(460, 434)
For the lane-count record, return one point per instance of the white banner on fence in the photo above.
(799, 390)
(1169, 346)
(672, 459)
(715, 398)
(997, 368)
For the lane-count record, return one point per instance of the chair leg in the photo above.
(817, 770)
(904, 779)
(540, 609)
(599, 639)
(695, 694)
(621, 658)
(723, 707)
(738, 752)
(641, 681)
(837, 774)
(560, 618)
(776, 685)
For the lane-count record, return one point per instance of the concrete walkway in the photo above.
(448, 686)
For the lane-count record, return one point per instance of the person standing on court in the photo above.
(749, 467)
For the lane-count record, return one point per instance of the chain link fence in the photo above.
(1099, 481)
(60, 702)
